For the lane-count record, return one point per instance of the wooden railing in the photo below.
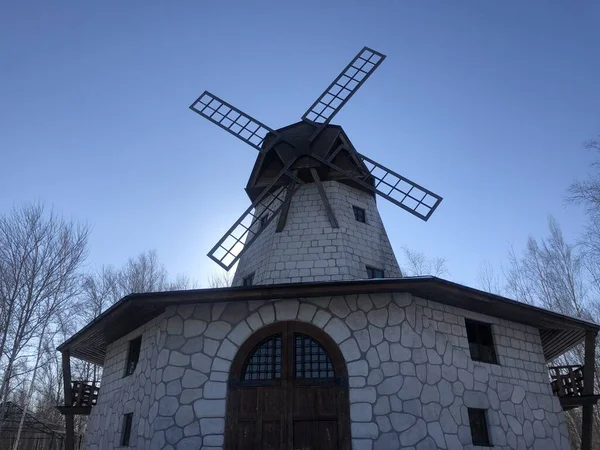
(567, 381)
(85, 393)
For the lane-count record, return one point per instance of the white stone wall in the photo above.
(309, 249)
(411, 376)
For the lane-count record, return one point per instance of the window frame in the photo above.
(484, 439)
(373, 271)
(126, 430)
(476, 327)
(262, 220)
(130, 364)
(358, 211)
(248, 280)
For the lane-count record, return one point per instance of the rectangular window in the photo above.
(359, 214)
(249, 280)
(126, 434)
(479, 427)
(133, 355)
(481, 342)
(372, 272)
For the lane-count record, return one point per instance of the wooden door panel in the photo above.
(271, 435)
(246, 436)
(328, 435)
(303, 435)
(286, 392)
(247, 403)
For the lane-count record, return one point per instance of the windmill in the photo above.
(309, 151)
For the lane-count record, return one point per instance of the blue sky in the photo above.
(485, 103)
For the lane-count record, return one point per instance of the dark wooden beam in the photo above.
(286, 207)
(79, 410)
(69, 419)
(330, 214)
(588, 389)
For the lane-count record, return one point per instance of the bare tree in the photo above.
(220, 279)
(488, 280)
(417, 264)
(40, 258)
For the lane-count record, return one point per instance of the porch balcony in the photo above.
(84, 395)
(569, 385)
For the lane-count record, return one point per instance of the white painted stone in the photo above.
(240, 333)
(212, 426)
(364, 302)
(396, 315)
(362, 337)
(227, 350)
(401, 421)
(409, 338)
(358, 368)
(255, 321)
(339, 307)
(193, 379)
(357, 320)
(350, 350)
(376, 335)
(210, 347)
(392, 334)
(306, 312)
(364, 430)
(411, 388)
(361, 412)
(321, 318)
(337, 330)
(193, 327)
(201, 362)
(217, 330)
(378, 317)
(267, 313)
(209, 408)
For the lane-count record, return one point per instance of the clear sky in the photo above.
(485, 103)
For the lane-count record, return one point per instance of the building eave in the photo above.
(559, 332)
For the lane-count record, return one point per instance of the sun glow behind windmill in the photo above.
(309, 151)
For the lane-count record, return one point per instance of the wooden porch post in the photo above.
(69, 419)
(588, 389)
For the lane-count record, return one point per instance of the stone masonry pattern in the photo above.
(309, 249)
(410, 374)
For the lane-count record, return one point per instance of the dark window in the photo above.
(133, 356)
(264, 363)
(359, 214)
(263, 220)
(479, 428)
(481, 342)
(247, 281)
(127, 419)
(372, 272)
(311, 360)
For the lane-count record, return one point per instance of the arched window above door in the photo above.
(311, 360)
(264, 363)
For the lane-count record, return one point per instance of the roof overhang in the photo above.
(559, 333)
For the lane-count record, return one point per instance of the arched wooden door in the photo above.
(288, 390)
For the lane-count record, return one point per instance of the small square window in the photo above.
(249, 280)
(133, 356)
(359, 214)
(372, 272)
(481, 342)
(479, 427)
(126, 433)
(263, 220)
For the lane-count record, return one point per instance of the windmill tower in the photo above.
(314, 214)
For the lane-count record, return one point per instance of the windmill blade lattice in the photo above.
(392, 186)
(234, 121)
(343, 88)
(253, 221)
